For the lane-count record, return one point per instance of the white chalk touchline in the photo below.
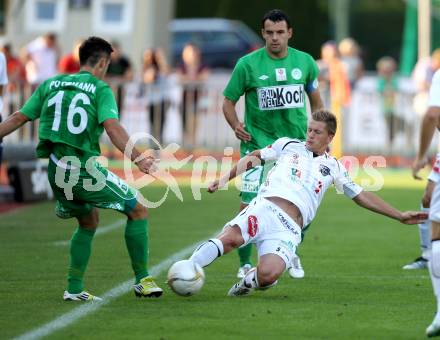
(101, 230)
(90, 307)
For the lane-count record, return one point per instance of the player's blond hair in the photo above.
(328, 118)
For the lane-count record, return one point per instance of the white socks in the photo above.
(425, 235)
(251, 280)
(207, 252)
(434, 270)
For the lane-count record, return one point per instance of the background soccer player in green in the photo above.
(74, 110)
(274, 80)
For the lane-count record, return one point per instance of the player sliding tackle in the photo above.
(286, 202)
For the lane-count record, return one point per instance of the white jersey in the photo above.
(302, 178)
(434, 90)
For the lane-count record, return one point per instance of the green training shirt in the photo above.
(71, 109)
(275, 95)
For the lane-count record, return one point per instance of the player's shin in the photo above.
(136, 239)
(434, 270)
(244, 253)
(80, 250)
(425, 236)
(207, 252)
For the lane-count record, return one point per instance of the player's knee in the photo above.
(138, 213)
(266, 276)
(89, 221)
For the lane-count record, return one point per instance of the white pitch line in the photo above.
(101, 230)
(90, 307)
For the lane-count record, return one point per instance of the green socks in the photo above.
(80, 249)
(244, 254)
(136, 239)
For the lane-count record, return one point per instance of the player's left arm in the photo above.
(312, 87)
(372, 202)
(12, 123)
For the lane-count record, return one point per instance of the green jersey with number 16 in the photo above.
(275, 95)
(71, 109)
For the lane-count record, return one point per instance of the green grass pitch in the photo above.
(354, 286)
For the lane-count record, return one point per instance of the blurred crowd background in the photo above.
(169, 81)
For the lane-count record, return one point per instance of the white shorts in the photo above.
(434, 209)
(434, 175)
(269, 227)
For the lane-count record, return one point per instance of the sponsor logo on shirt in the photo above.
(324, 170)
(315, 84)
(280, 74)
(263, 77)
(296, 74)
(252, 225)
(281, 97)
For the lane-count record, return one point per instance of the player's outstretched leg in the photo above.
(80, 250)
(425, 227)
(425, 244)
(265, 276)
(207, 252)
(136, 239)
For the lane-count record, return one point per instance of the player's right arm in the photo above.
(231, 117)
(430, 122)
(251, 160)
(234, 90)
(12, 123)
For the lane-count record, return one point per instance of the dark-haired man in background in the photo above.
(275, 80)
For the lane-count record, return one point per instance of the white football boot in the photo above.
(434, 328)
(242, 271)
(83, 296)
(296, 271)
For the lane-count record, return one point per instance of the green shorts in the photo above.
(78, 191)
(251, 181)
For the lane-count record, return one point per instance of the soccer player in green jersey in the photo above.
(274, 80)
(74, 110)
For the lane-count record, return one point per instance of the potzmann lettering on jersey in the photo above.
(281, 97)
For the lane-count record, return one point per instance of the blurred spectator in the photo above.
(119, 71)
(155, 72)
(16, 70)
(350, 58)
(387, 86)
(120, 66)
(191, 73)
(69, 63)
(334, 84)
(422, 76)
(3, 82)
(41, 58)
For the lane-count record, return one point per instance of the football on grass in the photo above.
(185, 278)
